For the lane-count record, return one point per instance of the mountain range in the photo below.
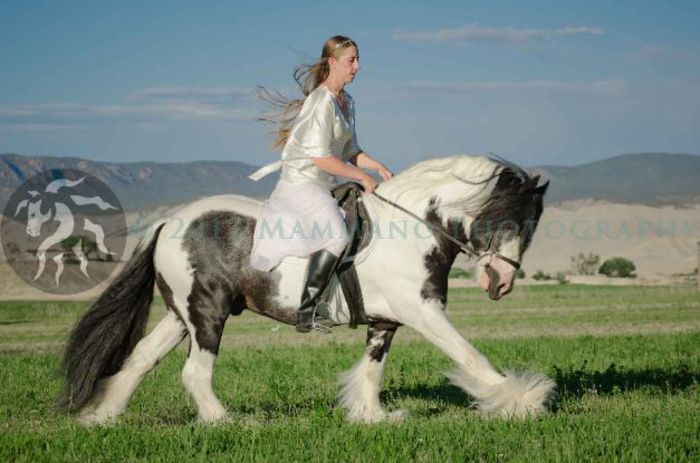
(641, 178)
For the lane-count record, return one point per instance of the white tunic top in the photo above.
(301, 216)
(319, 130)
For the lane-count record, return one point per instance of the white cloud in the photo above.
(19, 127)
(474, 32)
(649, 53)
(209, 95)
(146, 107)
(543, 86)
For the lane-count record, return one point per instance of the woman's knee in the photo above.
(337, 246)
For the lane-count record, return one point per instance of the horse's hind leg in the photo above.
(115, 391)
(197, 376)
(207, 317)
(360, 386)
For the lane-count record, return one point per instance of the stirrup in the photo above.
(320, 325)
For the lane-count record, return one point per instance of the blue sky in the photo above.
(540, 82)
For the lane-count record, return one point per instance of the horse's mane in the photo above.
(489, 188)
(422, 180)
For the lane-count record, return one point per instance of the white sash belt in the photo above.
(265, 170)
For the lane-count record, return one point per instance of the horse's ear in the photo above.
(529, 184)
(542, 189)
(22, 204)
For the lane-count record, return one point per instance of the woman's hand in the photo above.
(384, 172)
(368, 183)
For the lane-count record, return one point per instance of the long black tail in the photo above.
(110, 329)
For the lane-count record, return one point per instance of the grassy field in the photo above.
(626, 361)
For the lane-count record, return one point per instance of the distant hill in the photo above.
(648, 178)
(645, 178)
(143, 184)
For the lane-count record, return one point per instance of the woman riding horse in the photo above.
(317, 147)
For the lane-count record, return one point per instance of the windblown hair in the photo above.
(308, 77)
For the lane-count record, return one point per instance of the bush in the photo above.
(618, 267)
(540, 275)
(459, 273)
(520, 273)
(585, 264)
(561, 278)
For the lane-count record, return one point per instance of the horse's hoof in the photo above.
(250, 421)
(91, 419)
(397, 415)
(214, 419)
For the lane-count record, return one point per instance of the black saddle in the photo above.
(359, 226)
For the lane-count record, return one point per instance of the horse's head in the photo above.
(35, 217)
(503, 228)
(487, 202)
(40, 205)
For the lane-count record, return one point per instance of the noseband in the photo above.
(500, 256)
(462, 246)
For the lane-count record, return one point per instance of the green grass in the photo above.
(632, 397)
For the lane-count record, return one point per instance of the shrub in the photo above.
(540, 275)
(459, 273)
(520, 273)
(561, 278)
(618, 267)
(585, 264)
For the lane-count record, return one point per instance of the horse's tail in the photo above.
(108, 332)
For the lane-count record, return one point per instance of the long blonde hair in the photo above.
(308, 78)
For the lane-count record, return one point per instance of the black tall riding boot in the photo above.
(318, 274)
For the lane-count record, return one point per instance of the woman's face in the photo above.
(345, 66)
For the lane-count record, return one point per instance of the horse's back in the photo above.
(242, 205)
(209, 215)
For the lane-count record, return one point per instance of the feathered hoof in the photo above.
(520, 395)
(378, 416)
(90, 418)
(397, 415)
(214, 419)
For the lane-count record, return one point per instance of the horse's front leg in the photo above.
(360, 386)
(41, 257)
(510, 395)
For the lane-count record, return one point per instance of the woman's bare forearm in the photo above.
(365, 161)
(333, 165)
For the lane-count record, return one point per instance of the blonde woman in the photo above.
(317, 133)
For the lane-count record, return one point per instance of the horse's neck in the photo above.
(452, 200)
(66, 223)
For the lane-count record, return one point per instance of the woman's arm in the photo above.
(334, 166)
(365, 161)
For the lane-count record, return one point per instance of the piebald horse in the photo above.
(199, 260)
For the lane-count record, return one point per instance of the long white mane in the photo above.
(461, 182)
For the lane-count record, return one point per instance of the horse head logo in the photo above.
(49, 206)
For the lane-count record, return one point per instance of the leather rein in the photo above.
(462, 246)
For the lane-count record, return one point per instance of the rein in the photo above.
(462, 246)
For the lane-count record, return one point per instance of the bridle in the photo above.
(462, 246)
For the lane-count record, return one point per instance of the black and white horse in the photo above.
(200, 262)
